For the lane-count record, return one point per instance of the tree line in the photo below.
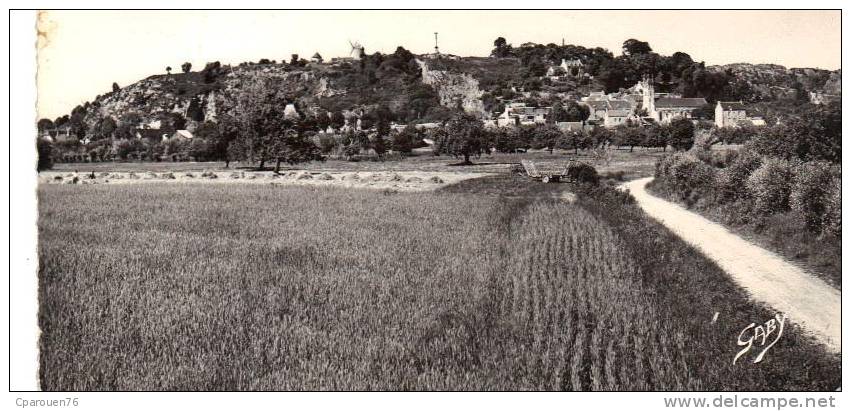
(677, 72)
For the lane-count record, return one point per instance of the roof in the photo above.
(619, 105)
(732, 105)
(597, 104)
(570, 125)
(182, 133)
(671, 102)
(290, 111)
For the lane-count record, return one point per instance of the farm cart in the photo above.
(549, 171)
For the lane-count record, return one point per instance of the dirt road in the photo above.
(806, 300)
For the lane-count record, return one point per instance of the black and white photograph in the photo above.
(640, 201)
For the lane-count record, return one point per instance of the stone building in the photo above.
(666, 108)
(567, 68)
(729, 113)
(733, 114)
(516, 114)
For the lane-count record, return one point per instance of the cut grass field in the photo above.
(639, 163)
(241, 287)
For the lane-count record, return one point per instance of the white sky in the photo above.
(83, 52)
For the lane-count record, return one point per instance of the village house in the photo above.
(180, 135)
(567, 68)
(290, 112)
(597, 108)
(618, 117)
(729, 113)
(519, 114)
(733, 114)
(609, 112)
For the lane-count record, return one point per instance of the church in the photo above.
(666, 107)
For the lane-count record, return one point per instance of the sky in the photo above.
(81, 53)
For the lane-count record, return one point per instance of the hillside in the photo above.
(772, 81)
(405, 88)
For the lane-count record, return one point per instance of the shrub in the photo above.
(730, 181)
(45, 154)
(832, 222)
(583, 173)
(810, 191)
(769, 186)
(689, 177)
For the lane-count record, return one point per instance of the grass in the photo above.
(639, 163)
(208, 287)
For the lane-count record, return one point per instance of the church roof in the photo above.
(597, 104)
(671, 102)
(619, 105)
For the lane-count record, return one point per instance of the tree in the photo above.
(628, 136)
(211, 71)
(546, 136)
(106, 127)
(558, 113)
(115, 87)
(186, 67)
(575, 140)
(45, 154)
(337, 119)
(168, 70)
(464, 136)
(44, 125)
(573, 111)
(405, 140)
(501, 48)
(681, 134)
(815, 135)
(655, 136)
(633, 47)
(265, 134)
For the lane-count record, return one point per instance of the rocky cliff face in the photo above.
(155, 101)
(454, 88)
(772, 81)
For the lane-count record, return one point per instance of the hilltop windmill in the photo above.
(357, 50)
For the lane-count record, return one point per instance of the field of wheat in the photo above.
(207, 287)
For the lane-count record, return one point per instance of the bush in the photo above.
(689, 177)
(810, 191)
(832, 222)
(769, 186)
(583, 173)
(45, 154)
(730, 181)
